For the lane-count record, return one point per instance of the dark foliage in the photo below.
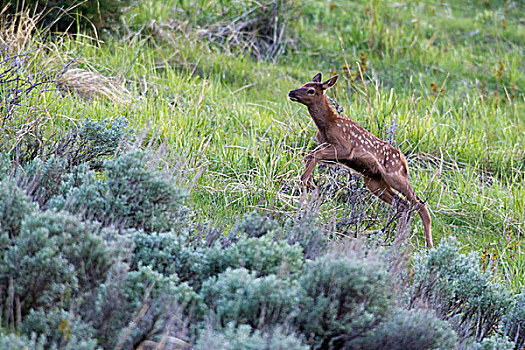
(515, 322)
(73, 15)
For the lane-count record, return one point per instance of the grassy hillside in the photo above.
(149, 177)
(465, 144)
(443, 81)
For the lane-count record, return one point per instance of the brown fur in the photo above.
(384, 167)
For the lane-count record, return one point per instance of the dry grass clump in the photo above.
(16, 32)
(31, 70)
(21, 44)
(261, 30)
(90, 85)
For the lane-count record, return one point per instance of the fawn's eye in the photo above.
(311, 91)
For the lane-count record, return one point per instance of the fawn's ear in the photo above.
(317, 78)
(330, 82)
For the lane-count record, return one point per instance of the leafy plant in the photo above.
(131, 195)
(14, 207)
(411, 330)
(244, 337)
(515, 321)
(457, 286)
(54, 258)
(263, 255)
(61, 329)
(239, 296)
(341, 299)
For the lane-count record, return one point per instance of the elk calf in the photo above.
(384, 167)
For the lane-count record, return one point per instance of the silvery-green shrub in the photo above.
(263, 255)
(129, 196)
(244, 337)
(169, 253)
(12, 341)
(62, 329)
(54, 258)
(456, 285)
(514, 323)
(14, 206)
(239, 296)
(131, 306)
(341, 299)
(494, 342)
(411, 330)
(256, 225)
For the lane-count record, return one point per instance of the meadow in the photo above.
(203, 85)
(443, 81)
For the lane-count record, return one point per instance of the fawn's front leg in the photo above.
(329, 153)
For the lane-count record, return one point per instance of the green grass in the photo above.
(228, 114)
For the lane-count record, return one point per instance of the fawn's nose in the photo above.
(292, 96)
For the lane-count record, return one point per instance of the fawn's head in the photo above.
(312, 92)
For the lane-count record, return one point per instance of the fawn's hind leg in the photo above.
(400, 183)
(381, 189)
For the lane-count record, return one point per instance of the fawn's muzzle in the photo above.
(292, 96)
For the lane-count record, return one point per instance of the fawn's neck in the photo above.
(322, 114)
